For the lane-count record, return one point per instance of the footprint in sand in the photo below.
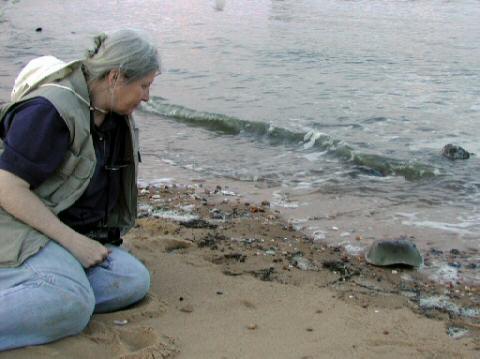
(133, 340)
(99, 333)
(144, 342)
(136, 339)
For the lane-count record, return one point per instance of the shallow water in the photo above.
(310, 97)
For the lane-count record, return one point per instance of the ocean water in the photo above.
(314, 97)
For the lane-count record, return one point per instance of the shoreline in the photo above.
(346, 220)
(335, 258)
(232, 279)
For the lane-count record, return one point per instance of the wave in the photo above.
(226, 125)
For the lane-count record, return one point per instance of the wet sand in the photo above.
(232, 279)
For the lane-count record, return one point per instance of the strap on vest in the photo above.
(80, 97)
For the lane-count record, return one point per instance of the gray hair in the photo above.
(126, 50)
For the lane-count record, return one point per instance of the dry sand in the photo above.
(233, 284)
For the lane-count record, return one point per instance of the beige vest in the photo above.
(19, 241)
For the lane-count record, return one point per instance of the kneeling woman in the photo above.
(68, 168)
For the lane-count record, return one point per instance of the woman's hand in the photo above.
(87, 251)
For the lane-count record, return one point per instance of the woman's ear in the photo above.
(113, 77)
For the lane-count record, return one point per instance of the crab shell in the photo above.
(396, 251)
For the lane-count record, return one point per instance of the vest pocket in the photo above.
(77, 166)
(68, 183)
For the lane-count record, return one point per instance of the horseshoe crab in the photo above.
(395, 251)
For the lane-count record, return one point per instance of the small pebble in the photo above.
(219, 292)
(386, 332)
(187, 309)
(120, 322)
(252, 326)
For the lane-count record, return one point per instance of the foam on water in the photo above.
(444, 303)
(461, 228)
(298, 223)
(354, 250)
(466, 226)
(280, 199)
(174, 215)
(157, 183)
(443, 273)
(318, 235)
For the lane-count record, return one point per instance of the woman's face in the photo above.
(128, 95)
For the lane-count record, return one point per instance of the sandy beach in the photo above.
(232, 279)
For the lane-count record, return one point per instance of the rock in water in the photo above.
(397, 251)
(454, 152)
(302, 263)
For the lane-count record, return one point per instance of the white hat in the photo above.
(39, 71)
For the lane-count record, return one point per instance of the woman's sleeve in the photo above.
(36, 140)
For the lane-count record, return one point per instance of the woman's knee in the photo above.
(79, 310)
(71, 310)
(40, 312)
(137, 283)
(124, 281)
(141, 281)
(134, 271)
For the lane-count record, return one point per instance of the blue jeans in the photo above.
(51, 296)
